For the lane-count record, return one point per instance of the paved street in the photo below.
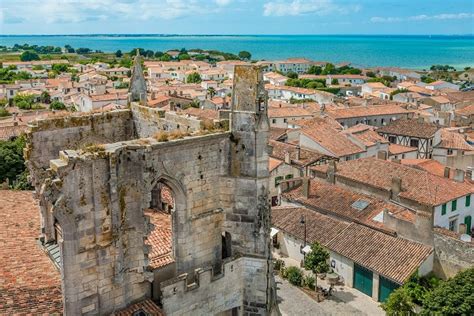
(293, 301)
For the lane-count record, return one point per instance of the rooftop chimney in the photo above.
(382, 155)
(469, 174)
(396, 187)
(447, 172)
(306, 187)
(459, 175)
(331, 173)
(287, 157)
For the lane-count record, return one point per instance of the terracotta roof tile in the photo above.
(147, 306)
(392, 257)
(273, 164)
(412, 128)
(333, 141)
(29, 282)
(160, 239)
(365, 134)
(453, 140)
(417, 185)
(306, 156)
(340, 201)
(364, 111)
(319, 227)
(288, 112)
(396, 149)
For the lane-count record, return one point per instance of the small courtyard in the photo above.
(343, 301)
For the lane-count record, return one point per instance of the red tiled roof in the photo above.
(273, 164)
(333, 141)
(339, 201)
(29, 282)
(392, 257)
(396, 149)
(365, 134)
(319, 227)
(453, 140)
(364, 111)
(147, 306)
(288, 112)
(417, 185)
(160, 239)
(412, 128)
(306, 156)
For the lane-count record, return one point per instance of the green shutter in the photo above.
(468, 222)
(468, 200)
(454, 205)
(289, 176)
(443, 209)
(278, 180)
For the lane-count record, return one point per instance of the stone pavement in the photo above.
(345, 301)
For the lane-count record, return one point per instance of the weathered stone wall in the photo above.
(47, 137)
(149, 121)
(451, 255)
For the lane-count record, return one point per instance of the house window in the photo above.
(468, 200)
(274, 121)
(454, 205)
(453, 224)
(414, 143)
(285, 120)
(278, 180)
(392, 139)
(443, 209)
(289, 176)
(450, 151)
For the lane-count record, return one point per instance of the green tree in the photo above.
(317, 260)
(149, 54)
(292, 75)
(334, 81)
(12, 163)
(452, 297)
(24, 101)
(329, 69)
(59, 68)
(29, 56)
(158, 54)
(427, 79)
(45, 97)
(399, 303)
(370, 74)
(245, 55)
(118, 53)
(211, 92)
(294, 275)
(4, 112)
(193, 78)
(184, 57)
(56, 105)
(165, 57)
(315, 70)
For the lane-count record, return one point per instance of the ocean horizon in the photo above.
(410, 51)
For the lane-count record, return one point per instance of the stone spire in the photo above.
(137, 89)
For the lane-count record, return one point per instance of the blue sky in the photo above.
(237, 16)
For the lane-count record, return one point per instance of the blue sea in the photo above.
(417, 52)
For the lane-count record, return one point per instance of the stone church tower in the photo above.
(96, 198)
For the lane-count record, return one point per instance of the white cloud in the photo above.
(76, 11)
(423, 17)
(299, 7)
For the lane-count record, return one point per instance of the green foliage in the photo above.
(9, 76)
(452, 297)
(330, 90)
(329, 69)
(29, 56)
(38, 67)
(118, 53)
(59, 68)
(126, 62)
(184, 57)
(315, 70)
(158, 54)
(403, 90)
(292, 75)
(245, 55)
(445, 68)
(45, 97)
(83, 50)
(278, 265)
(21, 182)
(386, 80)
(141, 52)
(294, 275)
(24, 101)
(370, 74)
(334, 81)
(56, 105)
(427, 79)
(399, 303)
(194, 78)
(309, 281)
(149, 53)
(4, 112)
(165, 57)
(317, 259)
(306, 83)
(12, 163)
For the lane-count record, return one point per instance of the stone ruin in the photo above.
(96, 173)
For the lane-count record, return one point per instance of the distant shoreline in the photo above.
(243, 35)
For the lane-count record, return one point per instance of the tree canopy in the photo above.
(193, 78)
(317, 259)
(245, 55)
(29, 56)
(12, 163)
